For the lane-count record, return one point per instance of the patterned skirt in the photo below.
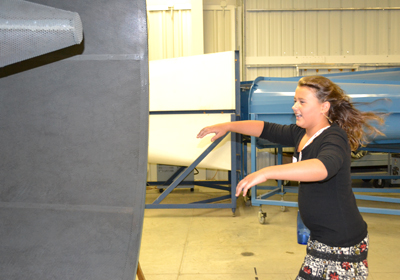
(324, 262)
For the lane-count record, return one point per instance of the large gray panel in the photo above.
(76, 132)
(63, 244)
(73, 144)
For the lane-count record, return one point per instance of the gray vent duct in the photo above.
(29, 29)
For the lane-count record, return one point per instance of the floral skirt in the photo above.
(324, 262)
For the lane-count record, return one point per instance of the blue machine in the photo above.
(271, 99)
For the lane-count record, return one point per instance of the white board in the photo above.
(201, 82)
(173, 141)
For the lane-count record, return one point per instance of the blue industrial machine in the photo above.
(271, 99)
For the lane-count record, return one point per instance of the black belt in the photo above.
(338, 257)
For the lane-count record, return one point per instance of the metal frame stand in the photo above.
(156, 204)
(259, 200)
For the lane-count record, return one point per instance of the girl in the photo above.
(327, 129)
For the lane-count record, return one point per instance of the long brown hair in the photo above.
(342, 111)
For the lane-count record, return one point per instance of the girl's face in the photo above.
(307, 108)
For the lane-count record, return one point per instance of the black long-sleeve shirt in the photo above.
(328, 207)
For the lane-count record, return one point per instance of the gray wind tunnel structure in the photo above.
(73, 145)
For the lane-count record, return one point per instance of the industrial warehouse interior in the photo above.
(104, 173)
(275, 39)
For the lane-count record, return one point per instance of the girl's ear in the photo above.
(325, 107)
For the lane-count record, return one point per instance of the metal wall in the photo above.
(175, 28)
(171, 29)
(286, 38)
(337, 35)
(73, 149)
(170, 32)
(219, 28)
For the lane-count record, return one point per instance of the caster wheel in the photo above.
(261, 217)
(161, 190)
(286, 183)
(247, 198)
(379, 183)
(247, 202)
(283, 208)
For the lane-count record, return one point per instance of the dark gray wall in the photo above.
(73, 149)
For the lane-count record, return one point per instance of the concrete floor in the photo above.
(211, 244)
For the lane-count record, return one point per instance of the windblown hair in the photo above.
(342, 111)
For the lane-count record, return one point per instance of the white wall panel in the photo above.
(287, 34)
(335, 38)
(219, 28)
(323, 43)
(175, 28)
(169, 34)
(299, 47)
(359, 33)
(383, 37)
(394, 34)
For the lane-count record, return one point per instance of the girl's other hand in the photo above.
(250, 181)
(219, 130)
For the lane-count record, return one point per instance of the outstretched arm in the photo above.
(310, 170)
(252, 128)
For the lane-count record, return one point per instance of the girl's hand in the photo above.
(219, 130)
(250, 181)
